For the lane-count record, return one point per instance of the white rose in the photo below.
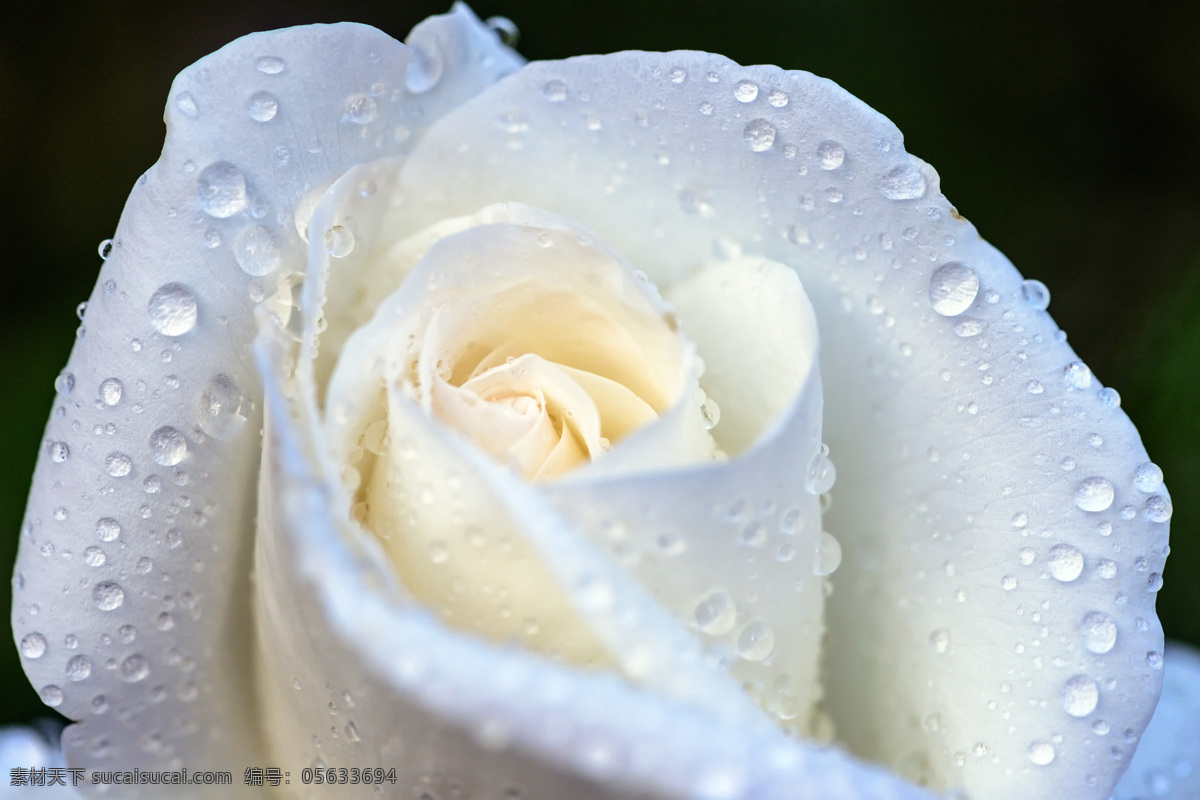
(552, 576)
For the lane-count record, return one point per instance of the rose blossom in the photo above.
(1003, 531)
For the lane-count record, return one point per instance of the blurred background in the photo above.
(1070, 136)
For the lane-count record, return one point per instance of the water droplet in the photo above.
(830, 154)
(172, 309)
(1155, 582)
(1099, 632)
(110, 391)
(269, 65)
(339, 241)
(760, 135)
(940, 640)
(1154, 659)
(262, 107)
(1078, 375)
(756, 641)
(134, 668)
(118, 465)
(1041, 752)
(1036, 294)
(221, 190)
(1080, 696)
(79, 668)
(108, 595)
(362, 109)
(952, 289)
(33, 645)
(677, 75)
(905, 182)
(828, 554)
(256, 251)
(94, 557)
(821, 472)
(968, 327)
(778, 98)
(167, 446)
(425, 68)
(556, 91)
(505, 29)
(59, 452)
(105, 249)
(745, 91)
(107, 529)
(1106, 569)
(1158, 508)
(1148, 477)
(186, 105)
(51, 695)
(64, 383)
(1094, 494)
(716, 613)
(1008, 583)
(1066, 562)
(1110, 397)
(221, 408)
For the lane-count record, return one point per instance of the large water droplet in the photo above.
(1094, 494)
(1148, 477)
(269, 65)
(830, 154)
(221, 190)
(221, 408)
(107, 529)
(51, 695)
(1066, 562)
(167, 446)
(134, 668)
(339, 241)
(821, 472)
(108, 595)
(756, 641)
(33, 645)
(952, 289)
(79, 668)
(905, 182)
(1036, 294)
(760, 135)
(256, 251)
(172, 309)
(745, 91)
(1158, 508)
(1041, 752)
(1099, 632)
(716, 613)
(110, 391)
(59, 452)
(828, 555)
(262, 107)
(118, 465)
(1078, 375)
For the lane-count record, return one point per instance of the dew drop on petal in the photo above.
(1110, 397)
(1158, 508)
(107, 529)
(821, 472)
(505, 29)
(59, 452)
(556, 91)
(759, 134)
(830, 154)
(186, 105)
(1066, 562)
(262, 107)
(118, 465)
(256, 251)
(1041, 752)
(172, 309)
(1154, 659)
(167, 446)
(905, 182)
(269, 65)
(361, 109)
(1036, 294)
(110, 391)
(108, 595)
(51, 695)
(1080, 696)
(222, 408)
(1078, 375)
(1099, 632)
(756, 641)
(940, 640)
(1148, 477)
(134, 668)
(1094, 494)
(716, 613)
(79, 668)
(339, 241)
(952, 289)
(828, 555)
(221, 190)
(745, 91)
(33, 645)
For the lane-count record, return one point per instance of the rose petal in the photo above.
(964, 428)
(1167, 762)
(453, 712)
(133, 574)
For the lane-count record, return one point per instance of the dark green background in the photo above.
(1069, 135)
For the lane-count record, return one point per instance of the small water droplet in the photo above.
(830, 154)
(108, 595)
(745, 91)
(555, 91)
(172, 309)
(1008, 583)
(134, 668)
(1041, 752)
(221, 190)
(262, 107)
(110, 391)
(1109, 397)
(1154, 659)
(1080, 696)
(33, 645)
(1026, 556)
(952, 289)
(1094, 494)
(821, 472)
(1065, 562)
(677, 75)
(167, 446)
(905, 182)
(778, 98)
(94, 557)
(760, 135)
(361, 109)
(1158, 508)
(1148, 477)
(269, 65)
(105, 250)
(187, 105)
(1078, 375)
(756, 641)
(59, 452)
(716, 613)
(505, 29)
(107, 529)
(221, 408)
(940, 640)
(339, 241)
(118, 465)
(1099, 632)
(79, 668)
(51, 695)
(828, 555)
(1036, 294)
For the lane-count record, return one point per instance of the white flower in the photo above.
(226, 602)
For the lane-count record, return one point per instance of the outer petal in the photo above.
(1167, 763)
(355, 676)
(974, 454)
(132, 581)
